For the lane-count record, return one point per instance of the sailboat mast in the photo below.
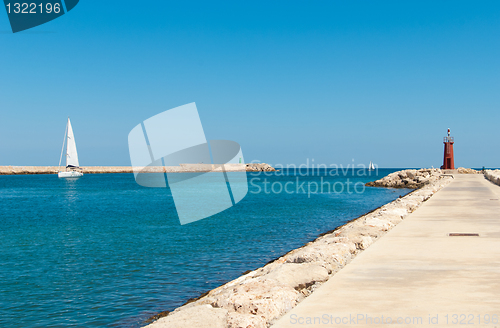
(67, 141)
(64, 141)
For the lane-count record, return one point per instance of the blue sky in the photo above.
(331, 81)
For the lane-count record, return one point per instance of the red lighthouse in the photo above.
(448, 161)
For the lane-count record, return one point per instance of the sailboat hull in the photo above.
(70, 174)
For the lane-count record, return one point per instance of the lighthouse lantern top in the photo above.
(449, 138)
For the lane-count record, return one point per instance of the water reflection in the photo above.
(70, 194)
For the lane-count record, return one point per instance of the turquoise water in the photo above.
(101, 251)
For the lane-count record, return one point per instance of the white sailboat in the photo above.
(371, 167)
(72, 164)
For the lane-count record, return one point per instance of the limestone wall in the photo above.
(19, 170)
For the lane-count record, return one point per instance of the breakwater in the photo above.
(183, 168)
(260, 297)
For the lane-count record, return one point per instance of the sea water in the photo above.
(102, 251)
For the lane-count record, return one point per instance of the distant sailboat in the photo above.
(371, 167)
(71, 155)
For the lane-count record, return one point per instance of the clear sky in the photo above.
(331, 81)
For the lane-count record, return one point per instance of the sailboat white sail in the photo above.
(371, 167)
(71, 154)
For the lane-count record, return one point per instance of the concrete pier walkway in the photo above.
(418, 275)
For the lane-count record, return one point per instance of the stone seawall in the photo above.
(183, 168)
(493, 176)
(260, 297)
(413, 179)
(23, 170)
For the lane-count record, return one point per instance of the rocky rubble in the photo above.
(256, 167)
(411, 179)
(260, 297)
(493, 176)
(463, 170)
